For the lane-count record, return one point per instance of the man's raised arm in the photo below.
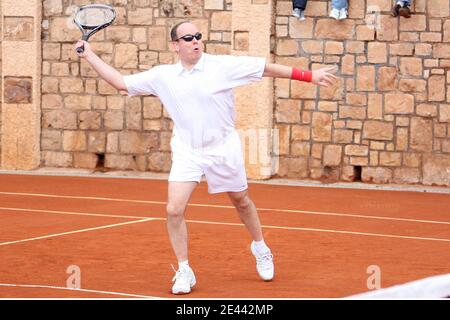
(105, 71)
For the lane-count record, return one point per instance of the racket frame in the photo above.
(93, 29)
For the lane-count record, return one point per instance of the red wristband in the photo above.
(301, 75)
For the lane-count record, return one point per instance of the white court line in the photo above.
(230, 207)
(76, 231)
(326, 230)
(74, 290)
(228, 224)
(72, 213)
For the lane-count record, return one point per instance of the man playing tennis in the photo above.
(197, 94)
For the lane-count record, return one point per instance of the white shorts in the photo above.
(222, 164)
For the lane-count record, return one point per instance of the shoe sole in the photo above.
(404, 12)
(185, 292)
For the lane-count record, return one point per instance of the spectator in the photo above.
(299, 9)
(402, 8)
(339, 9)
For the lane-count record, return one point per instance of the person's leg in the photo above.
(179, 194)
(247, 213)
(299, 7)
(249, 216)
(338, 4)
(226, 173)
(335, 9)
(301, 4)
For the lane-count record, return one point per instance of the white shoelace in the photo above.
(265, 261)
(179, 273)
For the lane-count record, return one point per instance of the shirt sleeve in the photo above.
(241, 70)
(142, 83)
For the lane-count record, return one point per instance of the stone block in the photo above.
(376, 175)
(435, 169)
(365, 79)
(18, 29)
(321, 126)
(398, 103)
(335, 30)
(436, 88)
(18, 90)
(387, 78)
(406, 175)
(349, 112)
(378, 130)
(332, 155)
(159, 162)
(377, 52)
(444, 113)
(287, 111)
(74, 141)
(421, 138)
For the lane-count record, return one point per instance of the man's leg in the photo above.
(301, 4)
(249, 216)
(179, 194)
(247, 212)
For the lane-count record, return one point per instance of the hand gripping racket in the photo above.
(92, 18)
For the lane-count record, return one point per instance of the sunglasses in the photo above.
(190, 37)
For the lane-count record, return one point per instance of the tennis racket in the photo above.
(93, 18)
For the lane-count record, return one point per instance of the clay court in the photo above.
(324, 240)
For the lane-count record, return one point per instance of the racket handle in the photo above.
(80, 49)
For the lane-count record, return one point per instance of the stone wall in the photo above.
(1, 77)
(21, 97)
(387, 120)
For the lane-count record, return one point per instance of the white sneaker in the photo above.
(334, 13)
(184, 280)
(302, 16)
(343, 14)
(264, 264)
(296, 12)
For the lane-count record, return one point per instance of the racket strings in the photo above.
(93, 17)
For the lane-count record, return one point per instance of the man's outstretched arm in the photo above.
(105, 71)
(321, 77)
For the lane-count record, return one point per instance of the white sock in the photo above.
(260, 246)
(183, 264)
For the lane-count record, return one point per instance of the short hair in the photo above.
(173, 32)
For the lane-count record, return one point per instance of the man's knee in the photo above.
(242, 203)
(175, 210)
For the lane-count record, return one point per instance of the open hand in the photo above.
(324, 76)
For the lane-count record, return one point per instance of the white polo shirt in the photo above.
(200, 101)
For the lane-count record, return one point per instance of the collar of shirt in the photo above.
(199, 66)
